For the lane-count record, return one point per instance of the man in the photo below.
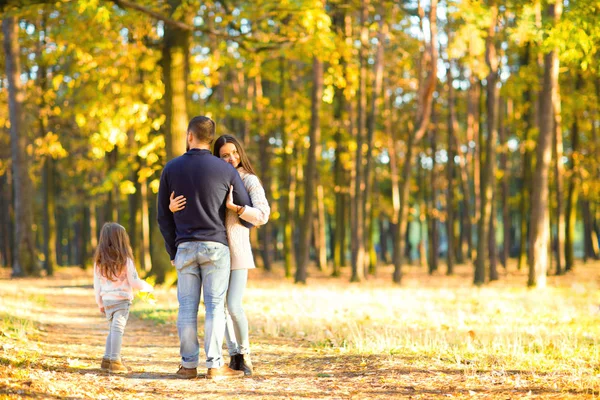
(196, 241)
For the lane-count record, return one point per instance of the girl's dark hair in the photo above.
(244, 161)
(113, 250)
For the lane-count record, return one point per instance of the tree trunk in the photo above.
(557, 150)
(320, 235)
(341, 151)
(467, 223)
(134, 199)
(392, 151)
(372, 254)
(85, 237)
(292, 211)
(266, 237)
(424, 241)
(299, 177)
(538, 264)
(573, 191)
(175, 77)
(49, 215)
(313, 157)
(450, 168)
(505, 188)
(473, 157)
(358, 219)
(77, 243)
(432, 212)
(135, 217)
(493, 247)
(340, 189)
(25, 260)
(48, 171)
(145, 259)
(426, 89)
(596, 232)
(161, 264)
(530, 119)
(588, 232)
(288, 179)
(371, 120)
(383, 237)
(6, 224)
(489, 163)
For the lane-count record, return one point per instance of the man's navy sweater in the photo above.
(204, 181)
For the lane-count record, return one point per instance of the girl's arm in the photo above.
(97, 289)
(134, 280)
(258, 213)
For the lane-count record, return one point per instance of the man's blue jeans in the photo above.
(202, 265)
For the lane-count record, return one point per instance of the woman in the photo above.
(229, 149)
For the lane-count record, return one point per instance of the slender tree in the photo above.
(358, 219)
(540, 225)
(311, 171)
(25, 260)
(371, 122)
(559, 171)
(450, 170)
(573, 190)
(488, 163)
(423, 116)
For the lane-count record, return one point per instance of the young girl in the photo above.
(229, 149)
(115, 278)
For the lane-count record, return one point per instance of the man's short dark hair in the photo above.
(203, 129)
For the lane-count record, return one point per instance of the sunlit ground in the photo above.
(503, 325)
(512, 335)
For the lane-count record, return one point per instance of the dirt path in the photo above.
(62, 360)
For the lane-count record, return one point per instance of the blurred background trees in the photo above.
(386, 133)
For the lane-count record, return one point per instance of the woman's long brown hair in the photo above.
(113, 250)
(244, 161)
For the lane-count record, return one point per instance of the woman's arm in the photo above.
(176, 203)
(258, 213)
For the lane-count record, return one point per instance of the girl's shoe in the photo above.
(117, 367)
(105, 364)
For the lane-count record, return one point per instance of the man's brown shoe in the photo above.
(105, 364)
(187, 373)
(224, 372)
(117, 367)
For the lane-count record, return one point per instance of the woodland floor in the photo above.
(52, 340)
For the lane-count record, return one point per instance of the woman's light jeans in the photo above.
(236, 333)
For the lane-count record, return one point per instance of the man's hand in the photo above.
(173, 262)
(102, 310)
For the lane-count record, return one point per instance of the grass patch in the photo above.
(497, 327)
(16, 328)
(160, 316)
(38, 299)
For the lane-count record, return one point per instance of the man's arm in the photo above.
(241, 196)
(166, 221)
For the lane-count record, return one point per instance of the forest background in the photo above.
(385, 133)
